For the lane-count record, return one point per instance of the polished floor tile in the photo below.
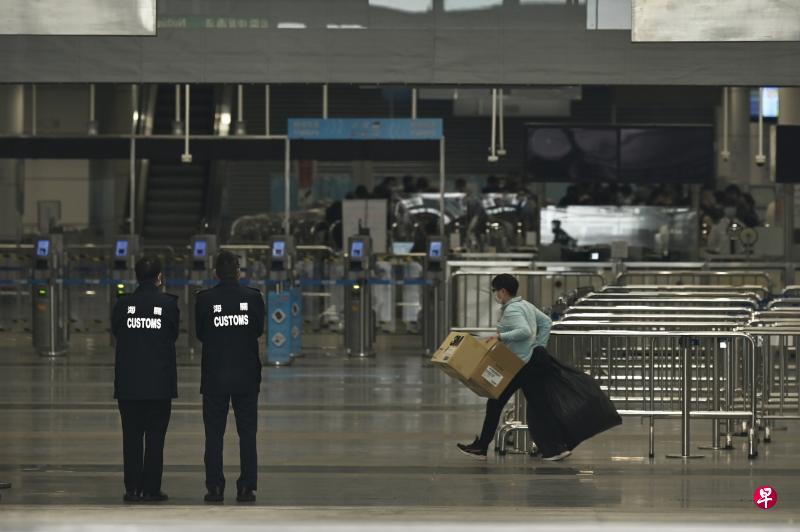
(355, 441)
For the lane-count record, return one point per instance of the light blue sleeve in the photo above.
(514, 327)
(543, 325)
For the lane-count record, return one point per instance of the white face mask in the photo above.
(497, 298)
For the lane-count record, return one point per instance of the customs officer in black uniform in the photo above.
(145, 325)
(229, 321)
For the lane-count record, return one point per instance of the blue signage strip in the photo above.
(365, 129)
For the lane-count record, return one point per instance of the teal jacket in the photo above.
(522, 327)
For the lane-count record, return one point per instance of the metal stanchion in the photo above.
(686, 408)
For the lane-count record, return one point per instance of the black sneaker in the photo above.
(214, 495)
(246, 495)
(474, 449)
(160, 496)
(132, 496)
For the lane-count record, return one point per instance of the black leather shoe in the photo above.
(132, 496)
(214, 495)
(155, 497)
(246, 495)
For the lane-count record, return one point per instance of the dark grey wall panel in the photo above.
(514, 44)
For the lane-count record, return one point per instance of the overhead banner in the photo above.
(78, 17)
(715, 20)
(365, 129)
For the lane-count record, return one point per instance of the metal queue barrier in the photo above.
(50, 319)
(779, 372)
(15, 267)
(670, 374)
(471, 289)
(685, 302)
(359, 319)
(694, 277)
(644, 313)
(758, 291)
(784, 303)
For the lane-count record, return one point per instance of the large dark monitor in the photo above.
(666, 154)
(556, 153)
(787, 154)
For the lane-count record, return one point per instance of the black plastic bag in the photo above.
(573, 400)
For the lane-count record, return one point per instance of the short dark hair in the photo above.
(504, 280)
(147, 270)
(227, 265)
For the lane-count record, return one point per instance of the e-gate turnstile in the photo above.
(359, 321)
(204, 249)
(123, 277)
(284, 305)
(434, 326)
(49, 297)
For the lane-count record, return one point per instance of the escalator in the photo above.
(176, 195)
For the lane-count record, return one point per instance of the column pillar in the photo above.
(788, 115)
(736, 170)
(12, 171)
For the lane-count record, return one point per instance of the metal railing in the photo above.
(694, 277)
(779, 371)
(671, 374)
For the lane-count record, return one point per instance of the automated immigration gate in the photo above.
(434, 326)
(201, 264)
(50, 298)
(359, 318)
(123, 277)
(358, 336)
(284, 304)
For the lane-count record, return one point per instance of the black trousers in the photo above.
(215, 416)
(144, 428)
(544, 428)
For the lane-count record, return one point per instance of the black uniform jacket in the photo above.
(145, 325)
(229, 319)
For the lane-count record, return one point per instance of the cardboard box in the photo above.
(486, 368)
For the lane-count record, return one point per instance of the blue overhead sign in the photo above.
(365, 129)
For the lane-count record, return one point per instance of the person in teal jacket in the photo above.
(522, 327)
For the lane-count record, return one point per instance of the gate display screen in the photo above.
(435, 250)
(122, 248)
(278, 248)
(199, 249)
(357, 249)
(43, 248)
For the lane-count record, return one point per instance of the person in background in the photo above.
(522, 327)
(409, 185)
(719, 239)
(560, 236)
(747, 211)
(145, 325)
(492, 185)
